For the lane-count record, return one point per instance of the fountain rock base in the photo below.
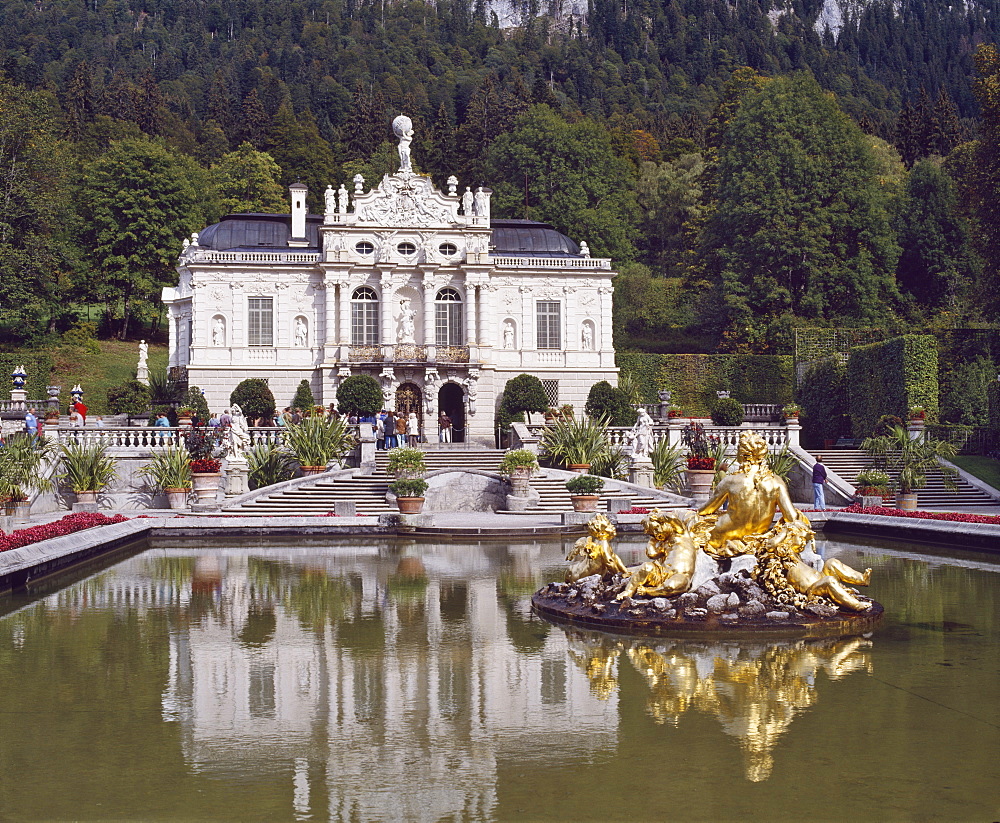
(731, 605)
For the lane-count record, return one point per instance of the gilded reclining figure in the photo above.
(672, 551)
(593, 554)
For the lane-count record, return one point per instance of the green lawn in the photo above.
(985, 468)
(96, 373)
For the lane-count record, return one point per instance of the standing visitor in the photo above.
(444, 423)
(401, 429)
(412, 430)
(380, 431)
(819, 481)
(31, 422)
(390, 430)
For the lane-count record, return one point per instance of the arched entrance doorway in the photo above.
(451, 402)
(408, 400)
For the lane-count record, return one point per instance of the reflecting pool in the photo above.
(395, 680)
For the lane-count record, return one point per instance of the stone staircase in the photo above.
(368, 492)
(846, 463)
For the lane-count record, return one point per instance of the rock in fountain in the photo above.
(772, 581)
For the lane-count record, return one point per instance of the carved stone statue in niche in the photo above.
(301, 332)
(588, 338)
(218, 331)
(508, 335)
(407, 322)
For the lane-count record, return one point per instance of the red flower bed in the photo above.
(951, 517)
(69, 524)
(635, 510)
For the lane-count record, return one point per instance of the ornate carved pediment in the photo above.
(405, 199)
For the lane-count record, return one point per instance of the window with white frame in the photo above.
(364, 317)
(260, 321)
(548, 313)
(448, 318)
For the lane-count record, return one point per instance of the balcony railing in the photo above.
(452, 354)
(253, 257)
(551, 262)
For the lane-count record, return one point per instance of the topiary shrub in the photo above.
(303, 396)
(727, 412)
(254, 397)
(605, 401)
(196, 400)
(359, 395)
(823, 395)
(129, 398)
(525, 393)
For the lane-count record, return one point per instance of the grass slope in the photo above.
(985, 468)
(97, 372)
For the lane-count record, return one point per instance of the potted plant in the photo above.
(316, 442)
(185, 416)
(674, 412)
(917, 414)
(170, 471)
(908, 459)
(518, 465)
(22, 462)
(87, 469)
(405, 461)
(206, 448)
(409, 493)
(584, 491)
(872, 486)
(701, 460)
(791, 411)
(577, 442)
(727, 411)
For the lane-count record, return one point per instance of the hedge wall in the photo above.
(39, 369)
(694, 379)
(823, 396)
(889, 378)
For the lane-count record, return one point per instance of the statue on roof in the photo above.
(402, 127)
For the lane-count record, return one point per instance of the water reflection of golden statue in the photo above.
(597, 657)
(673, 554)
(593, 554)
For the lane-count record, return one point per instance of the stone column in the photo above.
(330, 323)
(471, 294)
(604, 336)
(430, 338)
(387, 308)
(794, 429)
(172, 334)
(487, 315)
(344, 319)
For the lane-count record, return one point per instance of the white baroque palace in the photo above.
(422, 290)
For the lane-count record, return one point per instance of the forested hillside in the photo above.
(695, 141)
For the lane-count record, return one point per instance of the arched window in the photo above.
(448, 329)
(364, 317)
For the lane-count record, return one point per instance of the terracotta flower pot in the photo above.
(700, 482)
(579, 468)
(308, 471)
(584, 502)
(410, 505)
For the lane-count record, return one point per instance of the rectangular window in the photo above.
(364, 323)
(260, 321)
(551, 391)
(549, 331)
(448, 324)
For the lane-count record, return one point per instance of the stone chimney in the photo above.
(299, 210)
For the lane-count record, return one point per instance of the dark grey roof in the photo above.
(531, 239)
(257, 231)
(270, 231)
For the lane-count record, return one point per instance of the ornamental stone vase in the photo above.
(177, 497)
(520, 480)
(206, 485)
(89, 496)
(699, 481)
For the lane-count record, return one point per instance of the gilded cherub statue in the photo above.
(752, 493)
(673, 553)
(593, 554)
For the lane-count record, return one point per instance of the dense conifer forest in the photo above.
(749, 169)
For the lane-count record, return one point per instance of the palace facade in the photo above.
(421, 289)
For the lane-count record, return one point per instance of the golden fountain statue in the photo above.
(780, 578)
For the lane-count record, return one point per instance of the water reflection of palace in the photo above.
(387, 687)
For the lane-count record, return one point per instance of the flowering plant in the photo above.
(700, 446)
(872, 483)
(78, 521)
(791, 410)
(917, 412)
(951, 517)
(206, 465)
(674, 412)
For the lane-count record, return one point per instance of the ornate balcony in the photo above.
(452, 354)
(366, 354)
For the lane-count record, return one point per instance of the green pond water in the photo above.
(388, 680)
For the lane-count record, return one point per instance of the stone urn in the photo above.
(584, 502)
(18, 510)
(206, 485)
(520, 481)
(699, 481)
(410, 505)
(177, 497)
(86, 496)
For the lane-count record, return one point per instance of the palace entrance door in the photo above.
(409, 399)
(451, 402)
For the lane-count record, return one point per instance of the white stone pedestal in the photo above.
(18, 399)
(237, 478)
(640, 472)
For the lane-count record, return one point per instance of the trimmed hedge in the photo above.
(39, 369)
(823, 396)
(694, 379)
(890, 378)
